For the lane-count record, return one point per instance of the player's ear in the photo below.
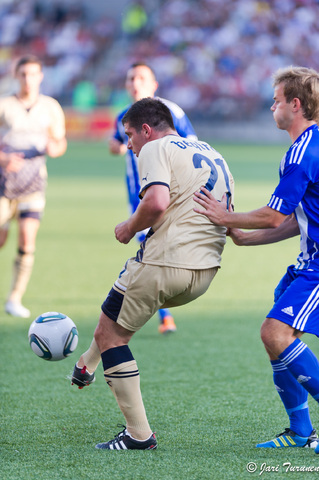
(147, 130)
(296, 103)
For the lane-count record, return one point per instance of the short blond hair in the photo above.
(302, 83)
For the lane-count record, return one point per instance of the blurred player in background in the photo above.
(141, 83)
(175, 265)
(293, 209)
(31, 126)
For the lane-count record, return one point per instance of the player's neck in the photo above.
(28, 98)
(157, 134)
(299, 128)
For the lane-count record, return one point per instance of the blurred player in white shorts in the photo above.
(176, 262)
(31, 126)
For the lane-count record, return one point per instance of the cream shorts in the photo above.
(141, 289)
(31, 205)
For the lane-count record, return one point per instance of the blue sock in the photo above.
(294, 397)
(303, 365)
(115, 356)
(163, 312)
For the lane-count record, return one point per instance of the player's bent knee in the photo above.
(108, 334)
(277, 335)
(263, 333)
(268, 332)
(103, 339)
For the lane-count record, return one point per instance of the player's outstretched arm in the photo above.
(217, 213)
(289, 228)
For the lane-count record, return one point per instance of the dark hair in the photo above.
(151, 111)
(302, 83)
(26, 60)
(142, 64)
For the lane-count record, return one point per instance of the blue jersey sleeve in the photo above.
(119, 133)
(298, 192)
(299, 175)
(182, 123)
(184, 127)
(290, 190)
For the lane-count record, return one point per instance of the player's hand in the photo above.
(13, 162)
(123, 233)
(116, 147)
(215, 211)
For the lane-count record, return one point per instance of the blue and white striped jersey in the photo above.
(298, 192)
(183, 127)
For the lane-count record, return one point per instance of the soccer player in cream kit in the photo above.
(141, 83)
(176, 263)
(32, 126)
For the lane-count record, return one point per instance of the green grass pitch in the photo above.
(207, 389)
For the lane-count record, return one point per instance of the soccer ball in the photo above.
(53, 336)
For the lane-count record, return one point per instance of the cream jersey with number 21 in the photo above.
(183, 238)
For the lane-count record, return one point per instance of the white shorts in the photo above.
(31, 205)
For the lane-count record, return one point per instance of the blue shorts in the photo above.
(297, 300)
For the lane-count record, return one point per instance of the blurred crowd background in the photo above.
(214, 58)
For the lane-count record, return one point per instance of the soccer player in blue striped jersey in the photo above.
(292, 210)
(141, 83)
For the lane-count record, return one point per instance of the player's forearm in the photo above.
(145, 216)
(288, 228)
(264, 217)
(151, 208)
(56, 148)
(218, 213)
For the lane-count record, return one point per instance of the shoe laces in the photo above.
(122, 432)
(119, 436)
(286, 432)
(291, 433)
